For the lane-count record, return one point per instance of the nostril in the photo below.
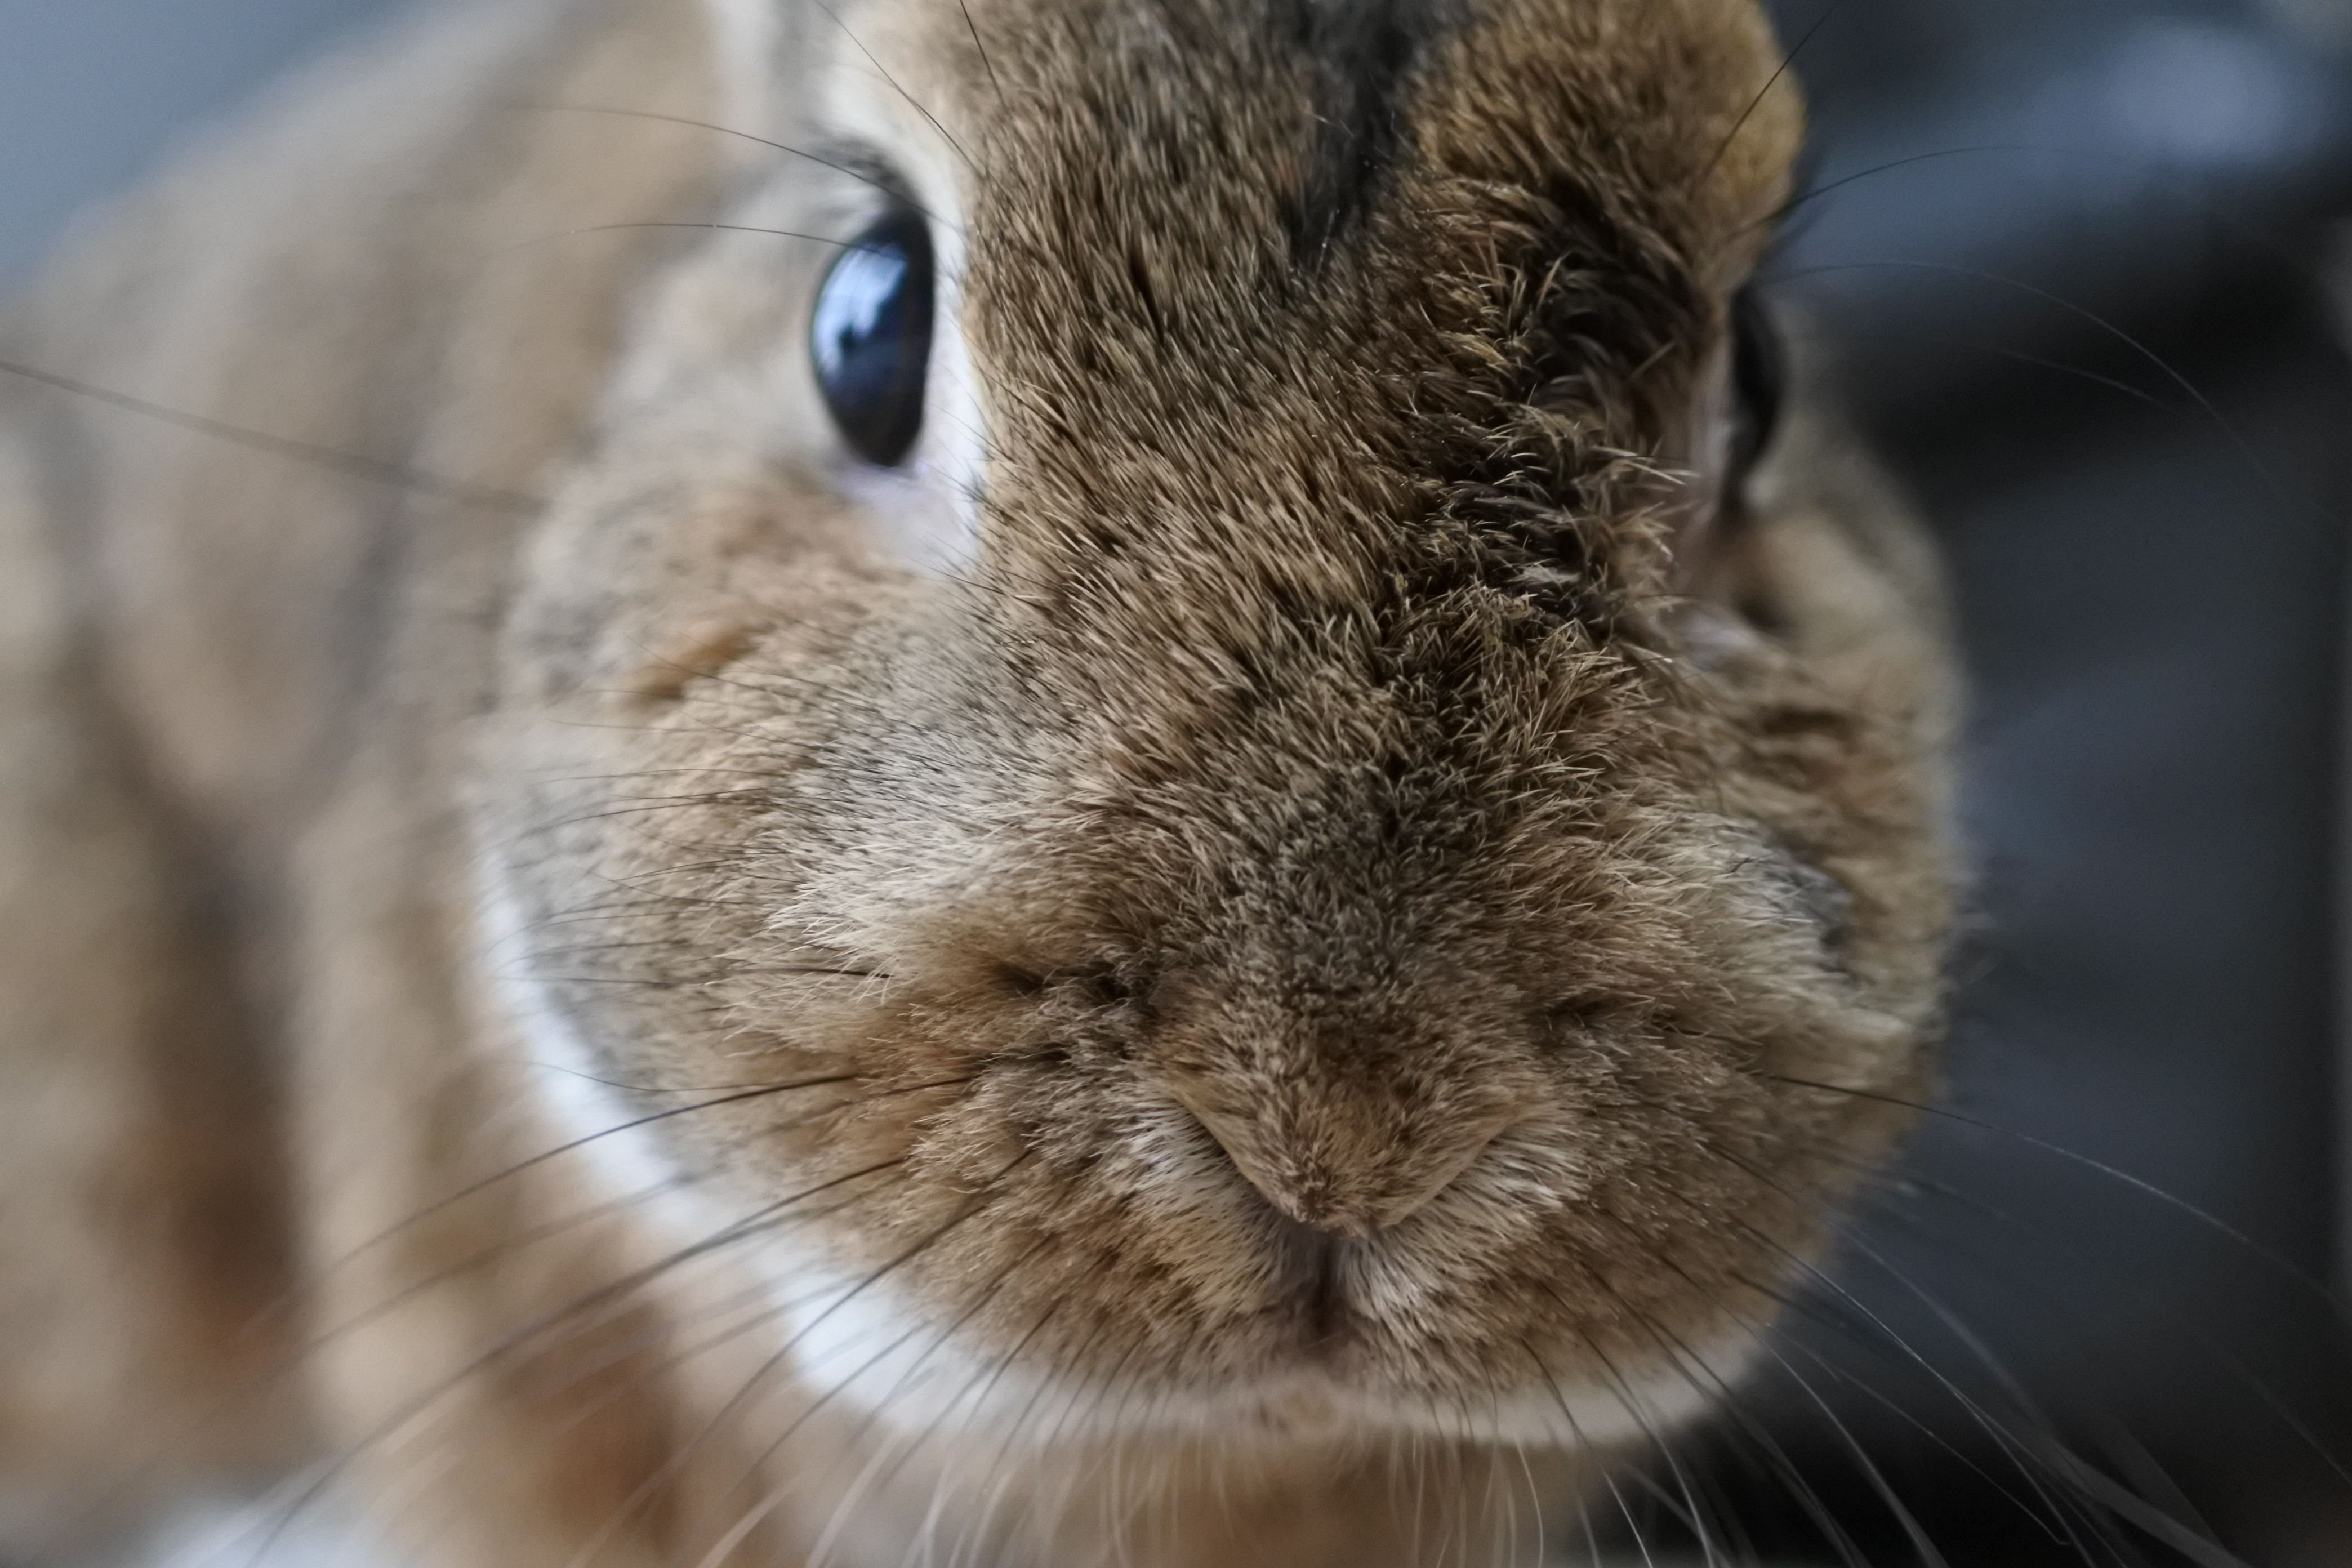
(1452, 1162)
(1287, 1176)
(1338, 1176)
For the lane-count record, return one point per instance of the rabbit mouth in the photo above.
(1313, 1305)
(1301, 1406)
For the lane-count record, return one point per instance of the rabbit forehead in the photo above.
(1218, 245)
(1672, 116)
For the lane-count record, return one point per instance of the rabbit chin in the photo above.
(862, 1346)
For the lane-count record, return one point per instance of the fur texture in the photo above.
(1223, 971)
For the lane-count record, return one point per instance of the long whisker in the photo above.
(752, 1520)
(1872, 1473)
(533, 1162)
(1584, 1445)
(356, 465)
(907, 1452)
(505, 1345)
(2264, 1390)
(911, 100)
(761, 1296)
(2216, 214)
(1830, 187)
(2015, 356)
(2019, 1448)
(1788, 63)
(704, 225)
(546, 1435)
(1681, 1355)
(2304, 1278)
(1694, 1517)
(629, 1087)
(1871, 1344)
(994, 85)
(837, 165)
(2061, 1461)
(507, 1246)
(2016, 1448)
(1018, 1430)
(2314, 508)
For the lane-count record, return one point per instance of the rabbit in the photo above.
(1019, 782)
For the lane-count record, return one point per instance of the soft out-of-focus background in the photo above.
(2071, 256)
(92, 90)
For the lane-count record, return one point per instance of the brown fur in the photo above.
(1266, 999)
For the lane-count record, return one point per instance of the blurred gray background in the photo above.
(2070, 258)
(91, 90)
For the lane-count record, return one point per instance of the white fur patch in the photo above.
(558, 1061)
(257, 1535)
(864, 1347)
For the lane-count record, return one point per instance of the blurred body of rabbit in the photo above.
(1215, 971)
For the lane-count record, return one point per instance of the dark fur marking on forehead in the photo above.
(1361, 51)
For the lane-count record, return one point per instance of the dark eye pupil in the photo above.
(1759, 379)
(870, 337)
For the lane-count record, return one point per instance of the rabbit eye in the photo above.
(870, 337)
(1759, 380)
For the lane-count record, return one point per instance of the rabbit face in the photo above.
(1181, 677)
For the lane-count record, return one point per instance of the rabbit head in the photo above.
(1191, 661)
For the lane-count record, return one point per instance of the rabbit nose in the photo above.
(1347, 1170)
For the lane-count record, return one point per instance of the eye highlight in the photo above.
(870, 337)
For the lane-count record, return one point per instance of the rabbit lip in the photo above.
(1294, 1406)
(1315, 1297)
